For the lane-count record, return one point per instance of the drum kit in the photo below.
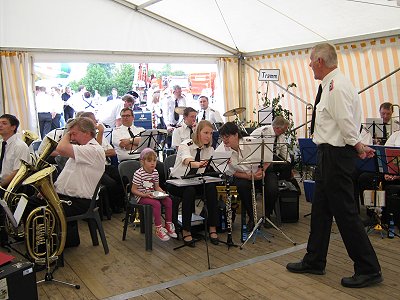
(230, 113)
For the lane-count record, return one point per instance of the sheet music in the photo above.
(193, 181)
(9, 213)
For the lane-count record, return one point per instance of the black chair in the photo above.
(126, 170)
(93, 217)
(103, 201)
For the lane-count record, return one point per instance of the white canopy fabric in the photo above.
(211, 31)
(189, 28)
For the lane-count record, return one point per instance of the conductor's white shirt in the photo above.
(338, 114)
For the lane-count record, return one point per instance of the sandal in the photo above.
(214, 241)
(190, 243)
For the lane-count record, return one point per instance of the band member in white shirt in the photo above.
(185, 131)
(126, 137)
(192, 155)
(207, 113)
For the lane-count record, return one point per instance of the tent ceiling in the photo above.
(204, 29)
(260, 25)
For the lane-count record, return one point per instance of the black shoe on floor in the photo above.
(360, 281)
(302, 267)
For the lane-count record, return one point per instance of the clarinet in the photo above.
(229, 241)
(253, 194)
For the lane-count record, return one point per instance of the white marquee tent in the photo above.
(240, 36)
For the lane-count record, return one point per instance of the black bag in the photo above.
(288, 201)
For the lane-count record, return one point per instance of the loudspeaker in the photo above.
(18, 281)
(289, 204)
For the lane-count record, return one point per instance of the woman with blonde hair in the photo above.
(193, 155)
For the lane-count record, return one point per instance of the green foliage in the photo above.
(123, 79)
(278, 110)
(96, 79)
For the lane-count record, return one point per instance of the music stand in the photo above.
(375, 125)
(265, 116)
(151, 138)
(385, 161)
(258, 152)
(197, 179)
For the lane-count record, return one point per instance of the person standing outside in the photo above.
(337, 124)
(171, 117)
(68, 110)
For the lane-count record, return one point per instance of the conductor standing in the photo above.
(336, 125)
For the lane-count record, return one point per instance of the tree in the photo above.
(123, 78)
(96, 79)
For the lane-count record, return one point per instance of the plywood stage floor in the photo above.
(256, 272)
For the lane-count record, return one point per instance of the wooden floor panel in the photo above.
(164, 273)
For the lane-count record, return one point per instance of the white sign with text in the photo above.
(268, 75)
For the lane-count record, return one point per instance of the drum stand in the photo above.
(47, 260)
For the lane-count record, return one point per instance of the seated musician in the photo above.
(126, 137)
(84, 168)
(13, 149)
(110, 178)
(366, 179)
(232, 139)
(276, 171)
(194, 153)
(185, 132)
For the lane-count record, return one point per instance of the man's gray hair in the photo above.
(84, 125)
(280, 122)
(327, 52)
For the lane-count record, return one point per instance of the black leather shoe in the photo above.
(214, 241)
(360, 281)
(190, 243)
(302, 267)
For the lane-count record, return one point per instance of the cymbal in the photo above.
(234, 111)
(179, 109)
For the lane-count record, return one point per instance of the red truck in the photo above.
(202, 83)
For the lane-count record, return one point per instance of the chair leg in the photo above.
(101, 232)
(148, 224)
(278, 212)
(129, 209)
(93, 232)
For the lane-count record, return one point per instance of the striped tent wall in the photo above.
(362, 62)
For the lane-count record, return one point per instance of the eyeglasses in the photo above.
(126, 116)
(225, 137)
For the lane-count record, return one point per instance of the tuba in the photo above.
(26, 170)
(50, 217)
(29, 137)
